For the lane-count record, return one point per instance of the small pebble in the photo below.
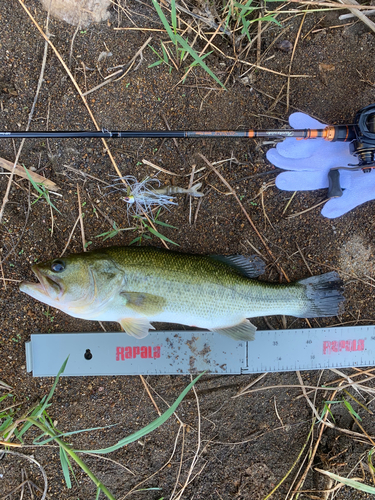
(284, 45)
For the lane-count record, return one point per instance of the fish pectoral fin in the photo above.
(144, 303)
(251, 267)
(136, 327)
(242, 331)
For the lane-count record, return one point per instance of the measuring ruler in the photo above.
(185, 352)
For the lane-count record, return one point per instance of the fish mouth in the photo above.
(47, 286)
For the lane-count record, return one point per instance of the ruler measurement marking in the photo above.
(182, 352)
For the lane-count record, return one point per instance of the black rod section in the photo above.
(341, 133)
(163, 134)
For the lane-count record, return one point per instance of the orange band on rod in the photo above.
(251, 133)
(329, 133)
(312, 133)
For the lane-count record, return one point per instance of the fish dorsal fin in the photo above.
(144, 303)
(136, 327)
(251, 267)
(242, 331)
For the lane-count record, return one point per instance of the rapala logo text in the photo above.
(143, 351)
(330, 347)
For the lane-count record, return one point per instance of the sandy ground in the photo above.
(224, 448)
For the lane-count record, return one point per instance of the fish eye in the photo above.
(57, 266)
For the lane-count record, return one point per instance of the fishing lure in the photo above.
(142, 197)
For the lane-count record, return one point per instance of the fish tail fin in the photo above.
(323, 296)
(194, 190)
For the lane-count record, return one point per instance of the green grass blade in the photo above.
(165, 55)
(270, 19)
(164, 21)
(62, 369)
(351, 410)
(161, 236)
(148, 428)
(176, 38)
(156, 63)
(65, 467)
(64, 434)
(34, 184)
(43, 405)
(164, 224)
(173, 16)
(198, 59)
(349, 482)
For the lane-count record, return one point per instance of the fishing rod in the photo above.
(360, 135)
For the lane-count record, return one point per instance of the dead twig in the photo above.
(21, 172)
(246, 214)
(361, 15)
(70, 235)
(121, 73)
(149, 394)
(81, 220)
(74, 83)
(291, 61)
(146, 162)
(31, 459)
(40, 81)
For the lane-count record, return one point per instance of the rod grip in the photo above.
(334, 188)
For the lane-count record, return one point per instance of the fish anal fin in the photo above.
(242, 331)
(251, 267)
(144, 303)
(136, 327)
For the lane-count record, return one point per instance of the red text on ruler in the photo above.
(144, 351)
(332, 346)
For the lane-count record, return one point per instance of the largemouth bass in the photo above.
(139, 285)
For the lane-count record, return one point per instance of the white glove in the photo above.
(308, 163)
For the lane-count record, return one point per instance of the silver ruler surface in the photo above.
(185, 352)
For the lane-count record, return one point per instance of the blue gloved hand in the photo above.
(308, 163)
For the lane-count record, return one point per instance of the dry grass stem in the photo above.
(85, 174)
(189, 186)
(335, 5)
(291, 61)
(20, 171)
(149, 394)
(81, 220)
(181, 460)
(256, 250)
(146, 162)
(304, 260)
(277, 413)
(31, 459)
(75, 85)
(196, 455)
(161, 468)
(242, 391)
(361, 15)
(70, 236)
(3, 275)
(31, 114)
(293, 465)
(246, 214)
(290, 199)
(121, 73)
(307, 209)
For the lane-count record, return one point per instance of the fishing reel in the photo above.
(362, 146)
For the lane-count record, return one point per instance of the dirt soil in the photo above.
(245, 445)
